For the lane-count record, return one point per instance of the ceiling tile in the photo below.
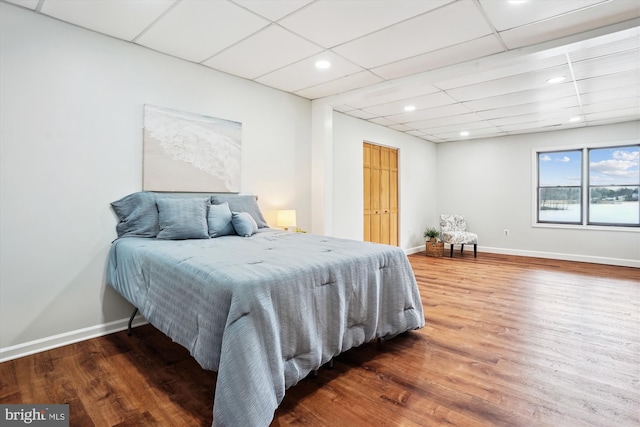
(606, 13)
(506, 15)
(304, 74)
(530, 108)
(536, 126)
(343, 84)
(388, 93)
(29, 4)
(343, 108)
(360, 114)
(457, 128)
(459, 53)
(518, 83)
(431, 113)
(425, 125)
(262, 52)
(610, 81)
(485, 133)
(204, 28)
(617, 116)
(609, 64)
(523, 97)
(501, 71)
(632, 91)
(330, 23)
(433, 100)
(447, 26)
(382, 121)
(125, 20)
(555, 116)
(400, 128)
(273, 9)
(622, 41)
(631, 103)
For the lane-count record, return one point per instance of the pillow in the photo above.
(242, 204)
(182, 218)
(138, 215)
(219, 220)
(244, 224)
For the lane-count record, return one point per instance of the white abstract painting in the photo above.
(190, 152)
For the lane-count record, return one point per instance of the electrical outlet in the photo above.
(506, 232)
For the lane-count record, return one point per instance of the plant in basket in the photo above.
(431, 234)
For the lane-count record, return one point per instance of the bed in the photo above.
(264, 308)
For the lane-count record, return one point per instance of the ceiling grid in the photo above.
(475, 66)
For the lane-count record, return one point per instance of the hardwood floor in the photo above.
(509, 341)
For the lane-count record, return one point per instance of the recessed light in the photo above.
(410, 108)
(464, 133)
(575, 119)
(322, 64)
(556, 79)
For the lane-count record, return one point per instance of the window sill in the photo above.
(632, 229)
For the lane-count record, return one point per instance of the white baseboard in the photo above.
(66, 338)
(539, 254)
(48, 343)
(566, 257)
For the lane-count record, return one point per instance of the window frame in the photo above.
(539, 187)
(584, 188)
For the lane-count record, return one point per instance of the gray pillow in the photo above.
(219, 220)
(138, 215)
(244, 224)
(182, 218)
(243, 203)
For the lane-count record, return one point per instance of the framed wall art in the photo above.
(187, 152)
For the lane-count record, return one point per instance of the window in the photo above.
(613, 186)
(589, 186)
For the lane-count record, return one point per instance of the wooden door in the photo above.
(380, 194)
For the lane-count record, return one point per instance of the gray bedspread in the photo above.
(266, 310)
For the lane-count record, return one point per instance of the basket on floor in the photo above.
(434, 248)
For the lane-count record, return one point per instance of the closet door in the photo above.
(380, 194)
(366, 161)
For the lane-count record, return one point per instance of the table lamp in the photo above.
(286, 219)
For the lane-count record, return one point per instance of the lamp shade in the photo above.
(286, 218)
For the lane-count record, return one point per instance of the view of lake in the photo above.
(619, 213)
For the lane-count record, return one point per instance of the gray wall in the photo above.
(490, 181)
(71, 111)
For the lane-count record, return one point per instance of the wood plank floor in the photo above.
(509, 341)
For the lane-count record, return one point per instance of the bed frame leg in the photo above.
(131, 321)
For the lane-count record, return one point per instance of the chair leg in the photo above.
(462, 249)
(451, 250)
(475, 250)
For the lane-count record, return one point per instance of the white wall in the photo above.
(417, 180)
(71, 142)
(490, 181)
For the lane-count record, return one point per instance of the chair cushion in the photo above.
(459, 237)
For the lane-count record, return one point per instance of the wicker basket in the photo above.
(434, 248)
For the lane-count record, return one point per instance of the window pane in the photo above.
(559, 204)
(614, 166)
(614, 205)
(562, 168)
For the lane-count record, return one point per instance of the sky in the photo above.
(607, 166)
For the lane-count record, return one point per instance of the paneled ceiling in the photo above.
(468, 68)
